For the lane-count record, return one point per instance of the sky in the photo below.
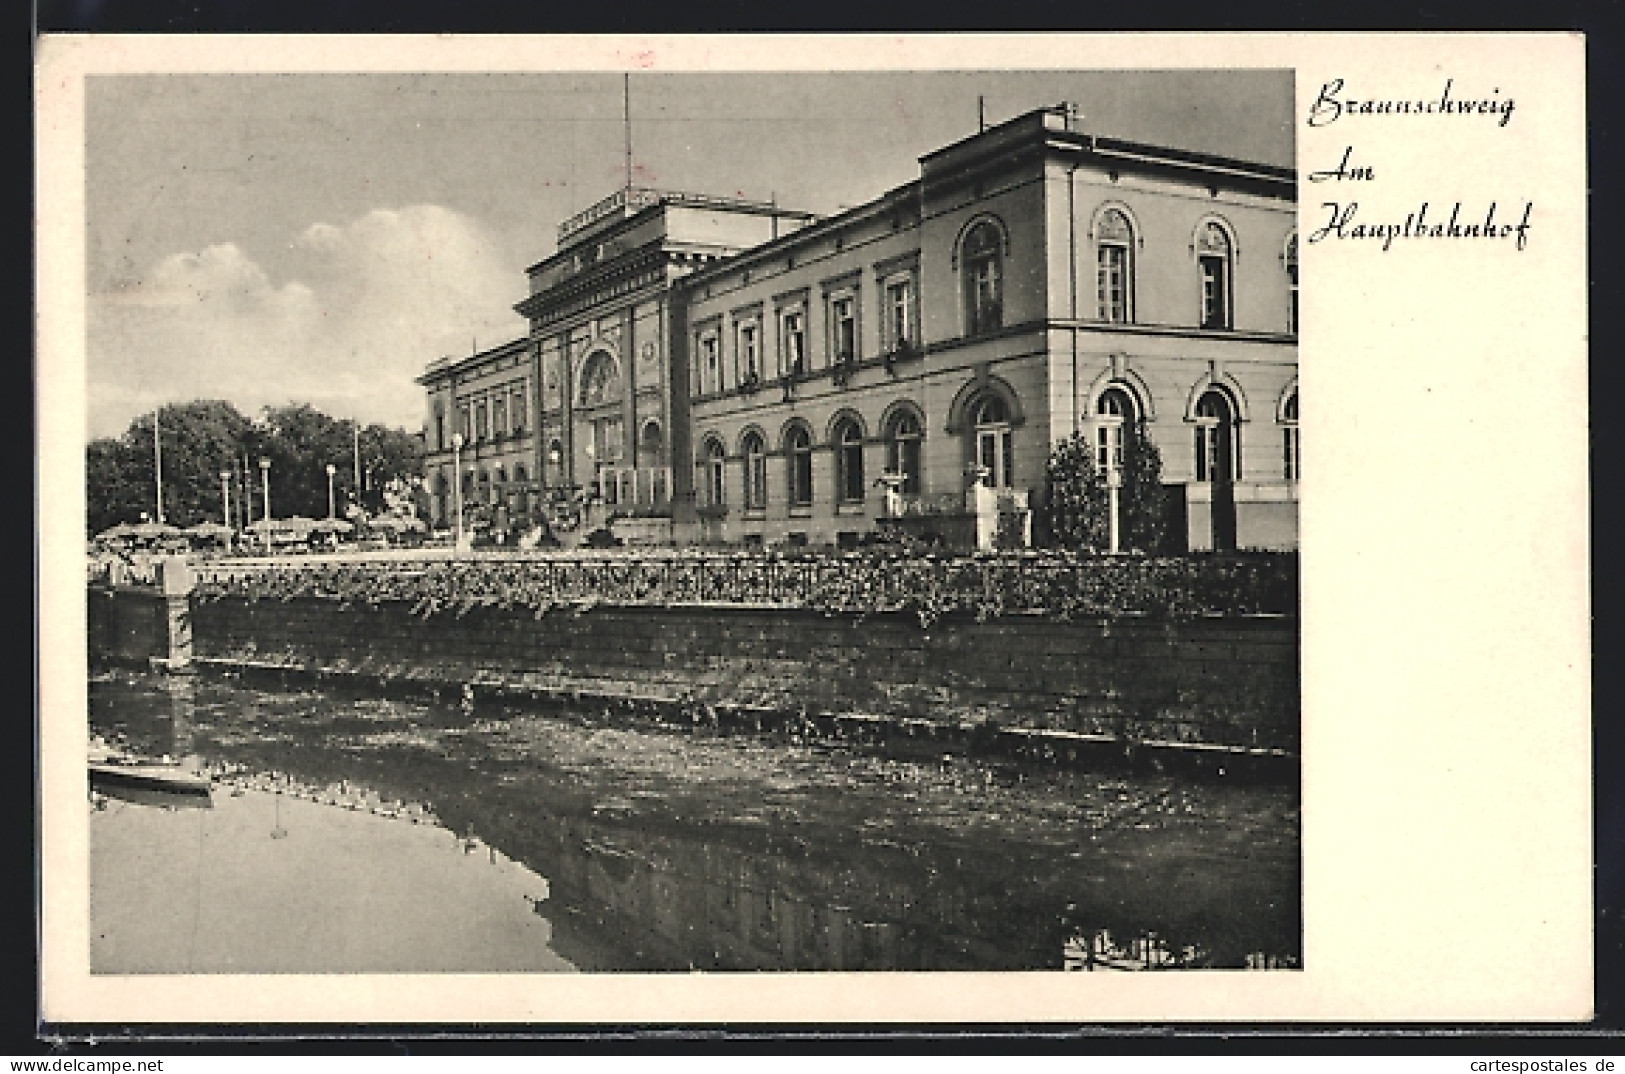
(268, 239)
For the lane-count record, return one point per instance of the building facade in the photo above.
(481, 422)
(804, 380)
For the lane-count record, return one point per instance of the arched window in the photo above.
(903, 450)
(981, 263)
(1290, 467)
(714, 470)
(798, 457)
(849, 461)
(485, 486)
(1291, 260)
(600, 380)
(993, 441)
(1217, 459)
(755, 452)
(1114, 416)
(1114, 260)
(651, 445)
(1214, 255)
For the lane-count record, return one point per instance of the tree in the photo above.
(1075, 497)
(1144, 500)
(199, 439)
(113, 492)
(1079, 504)
(391, 459)
(301, 443)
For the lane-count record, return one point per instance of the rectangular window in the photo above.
(499, 416)
(801, 478)
(440, 430)
(516, 409)
(843, 329)
(986, 312)
(793, 343)
(1215, 293)
(1292, 309)
(465, 423)
(1109, 446)
(993, 452)
(482, 421)
(899, 313)
(710, 366)
(1113, 283)
(756, 480)
(750, 363)
(1289, 448)
(607, 441)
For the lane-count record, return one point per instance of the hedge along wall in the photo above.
(1226, 681)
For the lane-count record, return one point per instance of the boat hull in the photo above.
(149, 777)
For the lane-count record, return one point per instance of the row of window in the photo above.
(902, 438)
(1215, 261)
(981, 258)
(497, 413)
(749, 359)
(1217, 450)
(482, 485)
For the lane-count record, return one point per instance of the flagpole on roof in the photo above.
(158, 466)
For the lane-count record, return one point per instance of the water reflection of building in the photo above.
(647, 889)
(746, 374)
(625, 897)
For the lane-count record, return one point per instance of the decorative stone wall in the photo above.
(1219, 681)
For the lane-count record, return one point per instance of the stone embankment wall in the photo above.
(1229, 682)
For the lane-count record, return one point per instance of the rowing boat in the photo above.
(149, 775)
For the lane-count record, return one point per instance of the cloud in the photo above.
(367, 305)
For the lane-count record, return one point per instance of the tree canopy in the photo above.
(202, 439)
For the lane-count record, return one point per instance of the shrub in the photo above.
(1142, 499)
(1075, 497)
(1078, 516)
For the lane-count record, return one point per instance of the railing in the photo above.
(627, 197)
(988, 585)
(918, 504)
(116, 570)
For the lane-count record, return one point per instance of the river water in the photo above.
(350, 833)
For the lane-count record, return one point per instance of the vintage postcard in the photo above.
(871, 529)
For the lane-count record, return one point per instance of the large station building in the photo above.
(709, 369)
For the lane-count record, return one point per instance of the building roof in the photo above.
(449, 365)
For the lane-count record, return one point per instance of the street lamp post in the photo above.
(1114, 482)
(332, 508)
(457, 487)
(265, 487)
